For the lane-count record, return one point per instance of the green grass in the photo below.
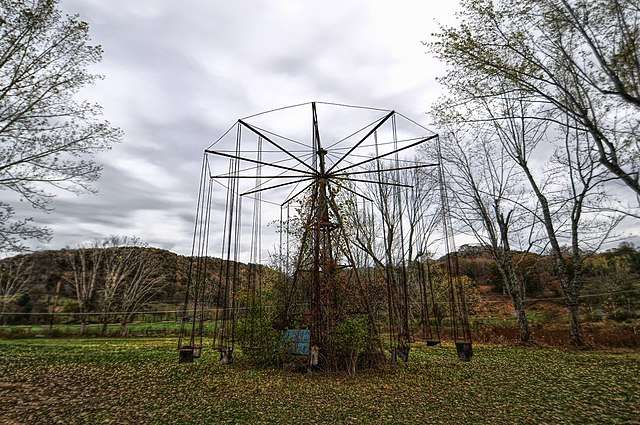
(140, 381)
(149, 329)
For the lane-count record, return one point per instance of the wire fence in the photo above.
(152, 323)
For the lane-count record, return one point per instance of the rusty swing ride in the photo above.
(334, 204)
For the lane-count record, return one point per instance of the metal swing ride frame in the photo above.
(319, 265)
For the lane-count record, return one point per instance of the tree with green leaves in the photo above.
(574, 58)
(534, 73)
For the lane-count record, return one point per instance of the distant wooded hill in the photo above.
(47, 279)
(46, 276)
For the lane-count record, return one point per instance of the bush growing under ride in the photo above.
(261, 344)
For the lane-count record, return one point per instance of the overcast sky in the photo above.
(177, 74)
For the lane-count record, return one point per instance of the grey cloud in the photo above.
(179, 73)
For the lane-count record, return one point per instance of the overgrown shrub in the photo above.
(350, 339)
(260, 343)
(622, 315)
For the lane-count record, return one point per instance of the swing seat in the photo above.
(186, 354)
(432, 342)
(465, 350)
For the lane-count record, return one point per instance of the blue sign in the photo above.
(298, 341)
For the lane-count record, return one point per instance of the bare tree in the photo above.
(423, 211)
(85, 262)
(121, 259)
(47, 136)
(541, 72)
(570, 196)
(13, 232)
(489, 201)
(119, 272)
(13, 277)
(144, 281)
(386, 253)
(386, 228)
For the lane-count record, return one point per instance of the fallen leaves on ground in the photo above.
(140, 381)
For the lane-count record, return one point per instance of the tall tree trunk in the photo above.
(55, 305)
(124, 328)
(517, 296)
(103, 331)
(575, 330)
(568, 272)
(523, 322)
(573, 307)
(352, 363)
(512, 283)
(514, 289)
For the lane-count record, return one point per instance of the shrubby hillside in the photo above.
(45, 279)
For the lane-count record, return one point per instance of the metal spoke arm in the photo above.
(259, 133)
(255, 161)
(383, 170)
(292, 197)
(350, 190)
(275, 186)
(426, 139)
(281, 176)
(354, 147)
(370, 181)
